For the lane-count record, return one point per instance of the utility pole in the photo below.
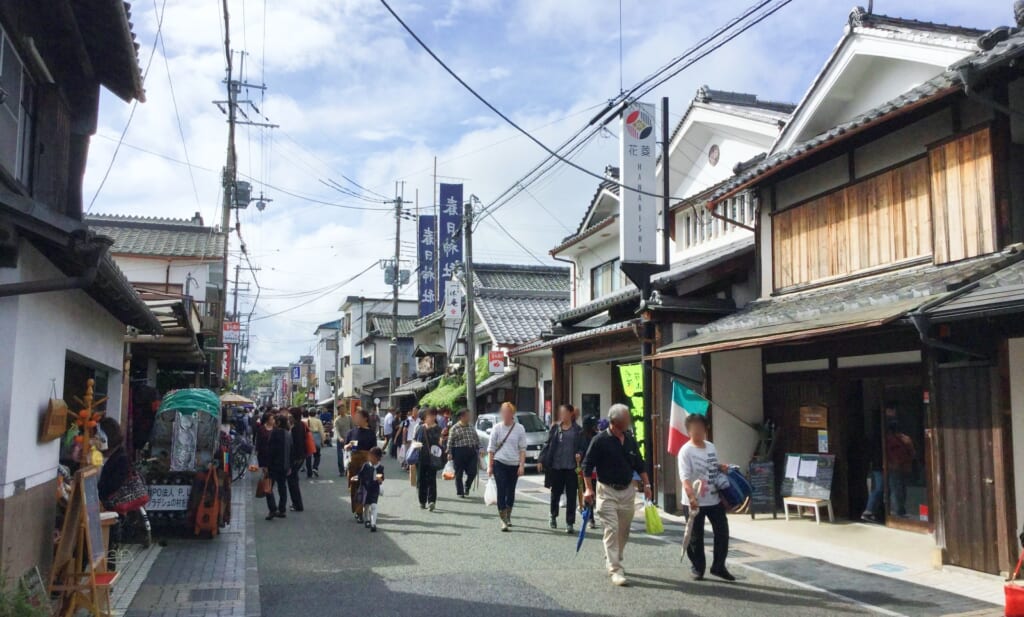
(467, 220)
(228, 176)
(396, 281)
(235, 359)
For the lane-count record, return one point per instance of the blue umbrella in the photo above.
(587, 516)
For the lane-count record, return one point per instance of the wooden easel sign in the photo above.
(80, 550)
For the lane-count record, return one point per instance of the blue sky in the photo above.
(356, 97)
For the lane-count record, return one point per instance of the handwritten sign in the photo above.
(168, 497)
(812, 476)
(762, 482)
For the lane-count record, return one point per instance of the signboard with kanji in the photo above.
(496, 362)
(232, 332)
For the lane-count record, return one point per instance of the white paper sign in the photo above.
(638, 213)
(792, 466)
(164, 497)
(808, 468)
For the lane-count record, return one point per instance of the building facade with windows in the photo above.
(889, 231)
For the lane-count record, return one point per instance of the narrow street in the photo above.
(455, 562)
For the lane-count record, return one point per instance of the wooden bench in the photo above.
(809, 502)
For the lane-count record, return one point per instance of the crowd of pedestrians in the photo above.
(586, 462)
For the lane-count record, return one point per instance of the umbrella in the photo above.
(235, 399)
(587, 516)
(697, 485)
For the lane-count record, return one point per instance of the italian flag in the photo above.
(684, 402)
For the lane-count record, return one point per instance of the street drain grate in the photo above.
(214, 595)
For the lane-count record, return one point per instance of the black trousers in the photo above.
(506, 477)
(465, 459)
(426, 482)
(720, 527)
(564, 481)
(313, 462)
(293, 485)
(393, 445)
(280, 481)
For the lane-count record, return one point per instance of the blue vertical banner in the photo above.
(449, 256)
(426, 248)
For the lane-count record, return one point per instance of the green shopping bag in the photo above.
(653, 520)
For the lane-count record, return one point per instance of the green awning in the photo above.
(191, 401)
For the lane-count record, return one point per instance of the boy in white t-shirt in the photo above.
(698, 460)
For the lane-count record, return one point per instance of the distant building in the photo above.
(327, 343)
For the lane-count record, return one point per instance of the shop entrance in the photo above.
(889, 480)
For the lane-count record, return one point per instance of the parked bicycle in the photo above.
(239, 455)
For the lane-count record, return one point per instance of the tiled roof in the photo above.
(999, 293)
(380, 325)
(735, 103)
(627, 294)
(158, 237)
(589, 231)
(902, 291)
(514, 318)
(537, 345)
(330, 325)
(106, 30)
(513, 277)
(861, 18)
(612, 185)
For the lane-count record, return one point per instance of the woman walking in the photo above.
(560, 460)
(431, 459)
(316, 427)
(359, 441)
(507, 460)
(463, 451)
(278, 458)
(298, 457)
(263, 458)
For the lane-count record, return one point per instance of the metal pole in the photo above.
(234, 316)
(393, 381)
(470, 321)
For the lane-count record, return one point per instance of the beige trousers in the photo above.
(615, 510)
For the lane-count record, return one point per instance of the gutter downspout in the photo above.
(93, 250)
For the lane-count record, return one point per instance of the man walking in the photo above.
(615, 455)
(698, 460)
(389, 429)
(342, 425)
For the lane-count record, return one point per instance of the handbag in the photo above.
(1015, 593)
(310, 444)
(132, 495)
(264, 487)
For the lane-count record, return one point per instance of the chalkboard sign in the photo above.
(90, 487)
(809, 475)
(762, 480)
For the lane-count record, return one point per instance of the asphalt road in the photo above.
(456, 562)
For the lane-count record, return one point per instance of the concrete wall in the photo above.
(736, 391)
(592, 379)
(172, 271)
(1016, 349)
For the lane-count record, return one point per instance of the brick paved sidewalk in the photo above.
(200, 577)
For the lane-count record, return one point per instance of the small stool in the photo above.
(808, 502)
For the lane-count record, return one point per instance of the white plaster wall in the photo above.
(812, 182)
(904, 144)
(37, 331)
(141, 270)
(592, 379)
(599, 251)
(697, 171)
(534, 377)
(1016, 349)
(324, 362)
(736, 392)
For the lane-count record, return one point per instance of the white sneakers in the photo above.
(619, 579)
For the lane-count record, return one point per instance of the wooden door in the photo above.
(971, 478)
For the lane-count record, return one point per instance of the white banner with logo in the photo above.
(638, 213)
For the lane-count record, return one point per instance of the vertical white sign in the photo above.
(638, 213)
(452, 302)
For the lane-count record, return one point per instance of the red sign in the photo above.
(227, 364)
(232, 332)
(496, 361)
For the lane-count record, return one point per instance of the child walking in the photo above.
(371, 475)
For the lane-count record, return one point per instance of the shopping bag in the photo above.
(1015, 593)
(653, 520)
(491, 492)
(263, 487)
(401, 453)
(449, 471)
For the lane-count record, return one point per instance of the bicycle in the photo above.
(240, 453)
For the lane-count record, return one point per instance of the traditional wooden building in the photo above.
(889, 256)
(64, 304)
